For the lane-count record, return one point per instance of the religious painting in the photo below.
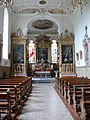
(42, 54)
(67, 54)
(18, 53)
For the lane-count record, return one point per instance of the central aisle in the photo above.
(44, 104)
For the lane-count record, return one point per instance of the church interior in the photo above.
(44, 59)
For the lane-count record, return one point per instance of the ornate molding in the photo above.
(66, 38)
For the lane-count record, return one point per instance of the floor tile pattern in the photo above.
(44, 104)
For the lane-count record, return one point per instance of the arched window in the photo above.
(31, 52)
(5, 35)
(54, 51)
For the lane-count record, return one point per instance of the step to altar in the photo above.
(43, 80)
(71, 74)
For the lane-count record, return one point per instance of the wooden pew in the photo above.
(15, 95)
(85, 104)
(63, 84)
(66, 86)
(5, 105)
(70, 88)
(19, 85)
(26, 84)
(76, 91)
(77, 95)
(23, 87)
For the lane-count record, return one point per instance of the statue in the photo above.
(86, 36)
(86, 29)
(19, 32)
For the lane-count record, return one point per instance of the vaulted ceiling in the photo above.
(51, 6)
(43, 8)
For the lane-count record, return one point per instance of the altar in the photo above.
(43, 73)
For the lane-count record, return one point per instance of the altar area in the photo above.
(44, 70)
(43, 73)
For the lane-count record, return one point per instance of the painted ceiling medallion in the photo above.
(42, 24)
(42, 2)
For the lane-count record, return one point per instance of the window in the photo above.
(54, 51)
(5, 35)
(31, 52)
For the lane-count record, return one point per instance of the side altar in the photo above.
(19, 60)
(67, 54)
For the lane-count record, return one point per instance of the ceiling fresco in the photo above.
(32, 6)
(42, 24)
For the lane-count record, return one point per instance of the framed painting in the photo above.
(42, 54)
(18, 53)
(67, 54)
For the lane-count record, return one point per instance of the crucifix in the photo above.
(86, 29)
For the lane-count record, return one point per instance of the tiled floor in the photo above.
(44, 104)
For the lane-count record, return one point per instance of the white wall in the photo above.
(79, 23)
(10, 23)
(65, 22)
(1, 20)
(20, 21)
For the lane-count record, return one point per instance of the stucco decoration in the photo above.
(19, 32)
(42, 41)
(86, 45)
(42, 24)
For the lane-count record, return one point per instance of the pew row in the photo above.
(70, 89)
(19, 89)
(5, 105)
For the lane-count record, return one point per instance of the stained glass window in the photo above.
(54, 51)
(31, 52)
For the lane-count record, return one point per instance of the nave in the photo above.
(44, 104)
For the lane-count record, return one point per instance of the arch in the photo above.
(48, 17)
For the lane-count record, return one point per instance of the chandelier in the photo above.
(78, 4)
(5, 3)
